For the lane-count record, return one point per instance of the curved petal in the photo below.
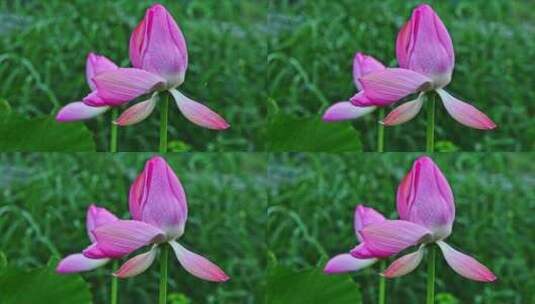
(424, 197)
(96, 64)
(77, 111)
(345, 110)
(465, 113)
(388, 238)
(137, 264)
(402, 44)
(465, 265)
(138, 112)
(404, 264)
(122, 85)
(158, 198)
(78, 263)
(96, 217)
(346, 263)
(390, 85)
(361, 100)
(123, 237)
(198, 113)
(197, 265)
(365, 216)
(404, 112)
(364, 65)
(93, 99)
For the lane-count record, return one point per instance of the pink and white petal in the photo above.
(364, 216)
(389, 237)
(93, 252)
(77, 111)
(124, 84)
(404, 112)
(361, 100)
(363, 65)
(96, 217)
(390, 85)
(466, 265)
(122, 237)
(198, 113)
(197, 265)
(465, 113)
(404, 264)
(138, 112)
(346, 263)
(93, 99)
(96, 64)
(137, 264)
(78, 263)
(345, 110)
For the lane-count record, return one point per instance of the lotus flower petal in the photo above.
(138, 112)
(465, 265)
(95, 65)
(77, 111)
(363, 65)
(79, 263)
(137, 264)
(197, 265)
(345, 110)
(157, 198)
(96, 217)
(404, 264)
(387, 86)
(365, 216)
(346, 263)
(404, 112)
(198, 113)
(424, 197)
(465, 113)
(388, 238)
(124, 84)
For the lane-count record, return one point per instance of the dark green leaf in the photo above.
(310, 286)
(289, 134)
(42, 285)
(43, 134)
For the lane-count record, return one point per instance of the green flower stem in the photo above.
(113, 130)
(431, 275)
(164, 119)
(164, 256)
(430, 143)
(381, 131)
(382, 285)
(114, 285)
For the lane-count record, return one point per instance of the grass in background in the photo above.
(312, 198)
(44, 44)
(312, 44)
(44, 199)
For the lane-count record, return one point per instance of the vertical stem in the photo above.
(381, 131)
(164, 117)
(113, 130)
(163, 274)
(430, 143)
(431, 275)
(382, 285)
(114, 285)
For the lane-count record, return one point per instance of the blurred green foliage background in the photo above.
(312, 197)
(44, 45)
(311, 47)
(44, 198)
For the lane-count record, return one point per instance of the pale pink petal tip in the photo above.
(346, 263)
(137, 113)
(79, 263)
(345, 110)
(137, 264)
(465, 265)
(198, 113)
(403, 113)
(198, 265)
(404, 264)
(465, 113)
(78, 111)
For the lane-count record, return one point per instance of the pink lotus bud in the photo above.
(424, 45)
(157, 198)
(158, 46)
(424, 197)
